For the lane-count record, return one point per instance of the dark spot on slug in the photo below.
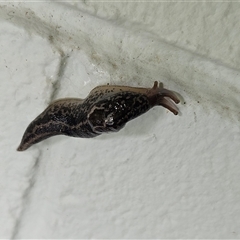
(106, 109)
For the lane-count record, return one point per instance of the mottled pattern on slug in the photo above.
(107, 108)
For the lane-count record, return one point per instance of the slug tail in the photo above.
(37, 132)
(50, 123)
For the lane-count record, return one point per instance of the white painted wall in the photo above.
(162, 176)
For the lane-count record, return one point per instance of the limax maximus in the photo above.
(107, 108)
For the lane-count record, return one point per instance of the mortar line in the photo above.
(60, 74)
(26, 197)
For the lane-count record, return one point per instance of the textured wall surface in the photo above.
(162, 176)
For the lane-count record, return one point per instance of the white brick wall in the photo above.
(162, 176)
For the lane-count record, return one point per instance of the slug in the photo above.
(107, 108)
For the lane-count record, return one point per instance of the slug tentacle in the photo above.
(107, 108)
(161, 96)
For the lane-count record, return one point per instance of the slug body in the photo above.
(107, 108)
